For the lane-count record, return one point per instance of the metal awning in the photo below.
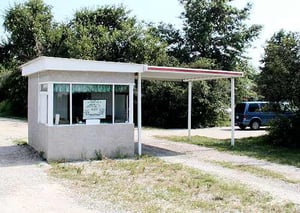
(185, 74)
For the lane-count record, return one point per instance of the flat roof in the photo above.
(43, 63)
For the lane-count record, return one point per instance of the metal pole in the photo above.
(139, 114)
(232, 112)
(189, 108)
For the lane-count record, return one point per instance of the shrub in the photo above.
(285, 131)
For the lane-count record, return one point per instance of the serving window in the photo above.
(73, 104)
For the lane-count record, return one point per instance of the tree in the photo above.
(279, 80)
(215, 29)
(280, 74)
(28, 26)
(109, 33)
(246, 87)
(174, 38)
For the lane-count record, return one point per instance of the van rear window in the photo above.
(240, 108)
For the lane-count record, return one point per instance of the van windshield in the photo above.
(240, 108)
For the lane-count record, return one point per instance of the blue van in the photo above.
(259, 113)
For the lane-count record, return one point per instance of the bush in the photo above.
(6, 108)
(285, 131)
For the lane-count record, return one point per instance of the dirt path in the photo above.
(24, 183)
(201, 158)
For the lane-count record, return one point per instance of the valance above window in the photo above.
(91, 88)
(61, 88)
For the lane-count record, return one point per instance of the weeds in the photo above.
(151, 185)
(99, 155)
(20, 142)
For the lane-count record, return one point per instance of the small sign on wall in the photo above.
(94, 109)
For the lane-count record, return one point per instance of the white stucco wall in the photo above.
(37, 133)
(82, 141)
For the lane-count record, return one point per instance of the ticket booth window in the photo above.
(101, 98)
(61, 104)
(121, 103)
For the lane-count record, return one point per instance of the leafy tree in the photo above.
(109, 33)
(280, 75)
(174, 38)
(217, 30)
(28, 26)
(246, 87)
(280, 81)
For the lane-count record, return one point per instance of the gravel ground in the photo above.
(199, 157)
(24, 183)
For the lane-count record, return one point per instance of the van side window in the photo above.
(265, 107)
(253, 108)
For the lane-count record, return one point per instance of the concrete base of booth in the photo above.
(80, 142)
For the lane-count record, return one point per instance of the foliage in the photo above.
(174, 38)
(28, 26)
(280, 81)
(165, 104)
(281, 69)
(285, 132)
(246, 87)
(110, 34)
(215, 29)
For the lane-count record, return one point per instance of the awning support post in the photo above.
(189, 108)
(232, 112)
(139, 114)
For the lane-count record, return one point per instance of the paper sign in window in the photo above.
(94, 109)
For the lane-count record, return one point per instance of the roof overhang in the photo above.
(43, 63)
(186, 74)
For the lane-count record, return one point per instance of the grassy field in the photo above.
(152, 185)
(253, 147)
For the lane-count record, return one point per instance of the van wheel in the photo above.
(242, 127)
(254, 125)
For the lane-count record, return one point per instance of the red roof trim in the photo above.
(199, 71)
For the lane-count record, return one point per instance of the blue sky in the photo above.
(273, 15)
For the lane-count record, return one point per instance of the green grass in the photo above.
(255, 170)
(152, 185)
(20, 142)
(253, 147)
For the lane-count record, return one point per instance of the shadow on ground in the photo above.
(156, 151)
(16, 155)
